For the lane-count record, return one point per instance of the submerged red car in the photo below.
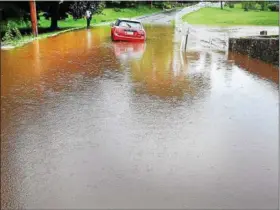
(128, 30)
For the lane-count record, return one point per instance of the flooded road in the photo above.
(161, 18)
(87, 123)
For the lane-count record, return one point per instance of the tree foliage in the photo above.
(78, 8)
(260, 5)
(273, 7)
(58, 10)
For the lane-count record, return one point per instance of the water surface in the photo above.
(87, 123)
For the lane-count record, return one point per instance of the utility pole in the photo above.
(33, 14)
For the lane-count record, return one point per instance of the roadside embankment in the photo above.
(265, 48)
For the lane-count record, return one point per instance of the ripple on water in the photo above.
(96, 121)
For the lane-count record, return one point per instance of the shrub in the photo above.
(117, 9)
(258, 7)
(273, 7)
(12, 33)
(167, 5)
(246, 5)
(158, 4)
(128, 4)
(263, 5)
(231, 5)
(113, 4)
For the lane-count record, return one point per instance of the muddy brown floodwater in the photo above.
(87, 123)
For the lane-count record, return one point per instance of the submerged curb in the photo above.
(9, 47)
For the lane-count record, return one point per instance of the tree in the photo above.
(251, 5)
(15, 10)
(78, 8)
(221, 4)
(54, 10)
(58, 10)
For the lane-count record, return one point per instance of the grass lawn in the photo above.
(232, 16)
(109, 14)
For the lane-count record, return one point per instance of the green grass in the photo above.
(232, 16)
(108, 15)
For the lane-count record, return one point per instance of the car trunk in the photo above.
(130, 32)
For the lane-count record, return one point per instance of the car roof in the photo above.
(129, 19)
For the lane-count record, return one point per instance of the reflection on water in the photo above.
(168, 79)
(163, 69)
(254, 66)
(126, 51)
(87, 123)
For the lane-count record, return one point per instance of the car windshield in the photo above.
(130, 24)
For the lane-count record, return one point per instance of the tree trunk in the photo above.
(54, 25)
(54, 15)
(221, 5)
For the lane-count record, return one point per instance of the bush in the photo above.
(258, 7)
(128, 4)
(167, 5)
(250, 6)
(12, 33)
(113, 4)
(159, 4)
(231, 5)
(117, 9)
(273, 7)
(263, 5)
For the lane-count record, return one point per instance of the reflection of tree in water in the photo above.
(66, 68)
(223, 65)
(255, 66)
(66, 65)
(163, 71)
(89, 60)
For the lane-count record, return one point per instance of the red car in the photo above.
(128, 30)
